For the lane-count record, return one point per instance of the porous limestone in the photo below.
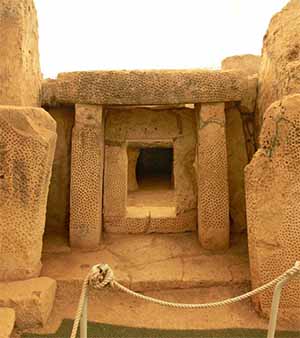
(20, 74)
(143, 87)
(237, 161)
(280, 65)
(273, 200)
(212, 176)
(32, 300)
(27, 144)
(86, 177)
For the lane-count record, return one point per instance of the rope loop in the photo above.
(101, 275)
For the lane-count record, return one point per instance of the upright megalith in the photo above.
(20, 74)
(27, 144)
(280, 65)
(273, 201)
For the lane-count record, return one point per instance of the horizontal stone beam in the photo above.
(144, 87)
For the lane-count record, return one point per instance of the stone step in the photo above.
(152, 262)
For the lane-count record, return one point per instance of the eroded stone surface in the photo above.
(7, 322)
(280, 67)
(213, 198)
(133, 154)
(27, 144)
(32, 300)
(247, 63)
(272, 194)
(20, 75)
(144, 87)
(87, 177)
(153, 262)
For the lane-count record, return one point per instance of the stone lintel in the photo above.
(144, 87)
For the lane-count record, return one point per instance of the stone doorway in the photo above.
(151, 180)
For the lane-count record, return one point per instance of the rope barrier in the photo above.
(101, 276)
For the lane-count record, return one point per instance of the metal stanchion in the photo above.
(84, 318)
(275, 304)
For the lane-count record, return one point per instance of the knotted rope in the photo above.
(101, 276)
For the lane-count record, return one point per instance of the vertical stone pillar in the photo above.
(115, 182)
(133, 154)
(213, 199)
(86, 177)
(20, 74)
(27, 145)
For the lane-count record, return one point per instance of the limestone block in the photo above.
(115, 181)
(20, 74)
(248, 101)
(27, 145)
(279, 72)
(32, 300)
(133, 154)
(86, 177)
(247, 63)
(213, 200)
(138, 87)
(237, 161)
(7, 322)
(273, 200)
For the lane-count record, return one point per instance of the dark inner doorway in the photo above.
(155, 168)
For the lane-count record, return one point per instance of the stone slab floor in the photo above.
(172, 267)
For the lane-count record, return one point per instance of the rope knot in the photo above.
(101, 275)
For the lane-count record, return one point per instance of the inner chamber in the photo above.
(150, 177)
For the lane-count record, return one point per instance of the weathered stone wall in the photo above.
(156, 127)
(58, 206)
(27, 145)
(273, 201)
(280, 67)
(20, 75)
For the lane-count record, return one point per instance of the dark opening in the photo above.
(155, 166)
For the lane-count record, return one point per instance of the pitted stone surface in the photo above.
(280, 67)
(144, 87)
(87, 177)
(27, 145)
(32, 300)
(20, 74)
(273, 200)
(133, 154)
(237, 161)
(213, 199)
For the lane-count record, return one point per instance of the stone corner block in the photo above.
(32, 300)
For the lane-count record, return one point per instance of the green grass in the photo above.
(96, 330)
